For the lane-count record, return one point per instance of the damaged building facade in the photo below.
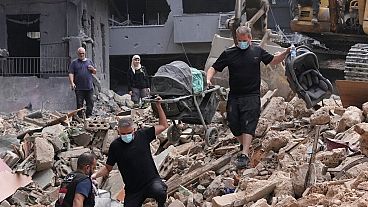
(41, 38)
(176, 30)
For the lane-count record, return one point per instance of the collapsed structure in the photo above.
(300, 157)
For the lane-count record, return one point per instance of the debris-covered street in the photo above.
(300, 157)
(184, 103)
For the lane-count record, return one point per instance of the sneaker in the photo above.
(242, 161)
(296, 18)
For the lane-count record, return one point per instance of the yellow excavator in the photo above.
(343, 27)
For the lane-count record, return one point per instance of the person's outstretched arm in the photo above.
(162, 121)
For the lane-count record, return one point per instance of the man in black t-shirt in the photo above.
(131, 152)
(243, 105)
(81, 80)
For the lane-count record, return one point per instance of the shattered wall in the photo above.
(64, 26)
(52, 93)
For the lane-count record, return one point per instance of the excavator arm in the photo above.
(240, 17)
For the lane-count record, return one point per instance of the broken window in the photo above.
(23, 45)
(23, 35)
(138, 12)
(205, 6)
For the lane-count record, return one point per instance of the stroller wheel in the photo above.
(173, 134)
(211, 136)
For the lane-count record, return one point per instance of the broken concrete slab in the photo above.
(44, 154)
(275, 110)
(73, 153)
(275, 140)
(82, 139)
(320, 117)
(228, 199)
(160, 158)
(332, 158)
(43, 178)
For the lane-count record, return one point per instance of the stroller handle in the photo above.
(174, 100)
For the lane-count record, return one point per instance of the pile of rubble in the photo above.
(300, 157)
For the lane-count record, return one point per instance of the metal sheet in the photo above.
(352, 93)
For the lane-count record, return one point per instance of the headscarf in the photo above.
(132, 65)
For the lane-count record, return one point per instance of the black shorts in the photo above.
(243, 114)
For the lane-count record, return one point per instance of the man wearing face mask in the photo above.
(131, 152)
(243, 105)
(76, 189)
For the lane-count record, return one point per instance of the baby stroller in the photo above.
(304, 77)
(185, 99)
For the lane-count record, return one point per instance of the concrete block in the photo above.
(72, 153)
(44, 154)
(228, 199)
(352, 116)
(43, 178)
(275, 110)
(82, 139)
(275, 140)
(257, 189)
(260, 203)
(214, 189)
(320, 117)
(332, 158)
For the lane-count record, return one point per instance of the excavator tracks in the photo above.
(356, 64)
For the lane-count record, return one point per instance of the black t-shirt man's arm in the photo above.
(278, 58)
(162, 121)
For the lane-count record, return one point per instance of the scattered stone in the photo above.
(44, 154)
(320, 117)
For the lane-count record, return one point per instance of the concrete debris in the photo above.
(320, 117)
(44, 154)
(198, 175)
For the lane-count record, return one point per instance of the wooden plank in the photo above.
(352, 93)
(185, 180)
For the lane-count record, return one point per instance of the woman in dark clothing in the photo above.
(138, 82)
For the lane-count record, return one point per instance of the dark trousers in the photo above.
(84, 95)
(156, 189)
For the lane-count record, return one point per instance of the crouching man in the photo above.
(131, 151)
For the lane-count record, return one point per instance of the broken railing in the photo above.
(34, 66)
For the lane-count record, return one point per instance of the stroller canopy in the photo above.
(304, 77)
(173, 79)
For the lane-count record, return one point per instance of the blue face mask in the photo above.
(127, 138)
(243, 45)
